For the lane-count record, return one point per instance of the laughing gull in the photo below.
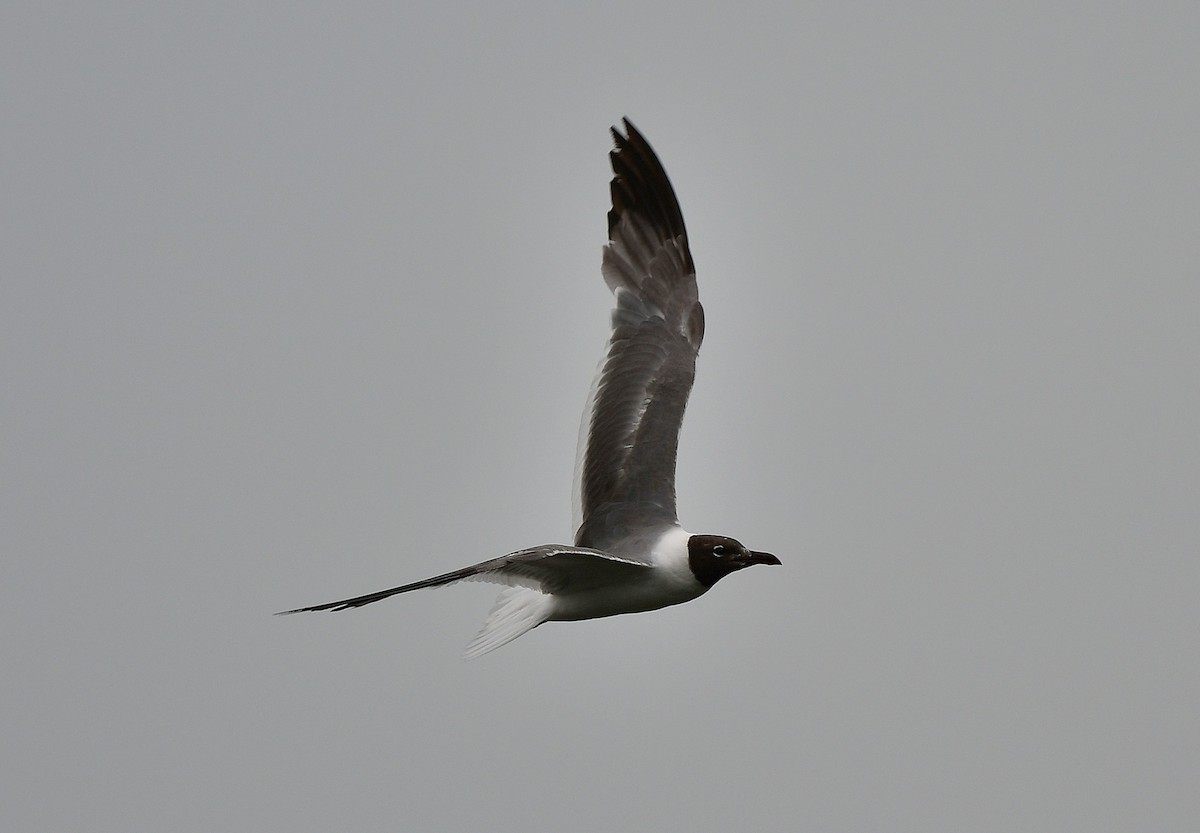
(630, 553)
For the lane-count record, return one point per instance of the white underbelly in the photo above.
(650, 593)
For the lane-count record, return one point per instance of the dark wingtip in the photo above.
(315, 608)
(631, 133)
(640, 183)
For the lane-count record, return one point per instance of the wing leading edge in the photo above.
(549, 568)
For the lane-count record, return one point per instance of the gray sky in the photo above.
(302, 303)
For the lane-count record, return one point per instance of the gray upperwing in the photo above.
(630, 431)
(550, 568)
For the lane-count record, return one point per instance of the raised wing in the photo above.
(549, 568)
(625, 471)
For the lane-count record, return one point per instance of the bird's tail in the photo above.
(517, 610)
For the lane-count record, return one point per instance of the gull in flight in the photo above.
(630, 552)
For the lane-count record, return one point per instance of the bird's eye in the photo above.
(718, 550)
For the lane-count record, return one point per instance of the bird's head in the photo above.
(712, 557)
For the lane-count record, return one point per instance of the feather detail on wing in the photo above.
(631, 428)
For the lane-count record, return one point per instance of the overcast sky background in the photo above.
(303, 301)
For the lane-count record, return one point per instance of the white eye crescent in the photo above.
(718, 550)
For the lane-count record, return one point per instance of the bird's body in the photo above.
(666, 580)
(630, 554)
